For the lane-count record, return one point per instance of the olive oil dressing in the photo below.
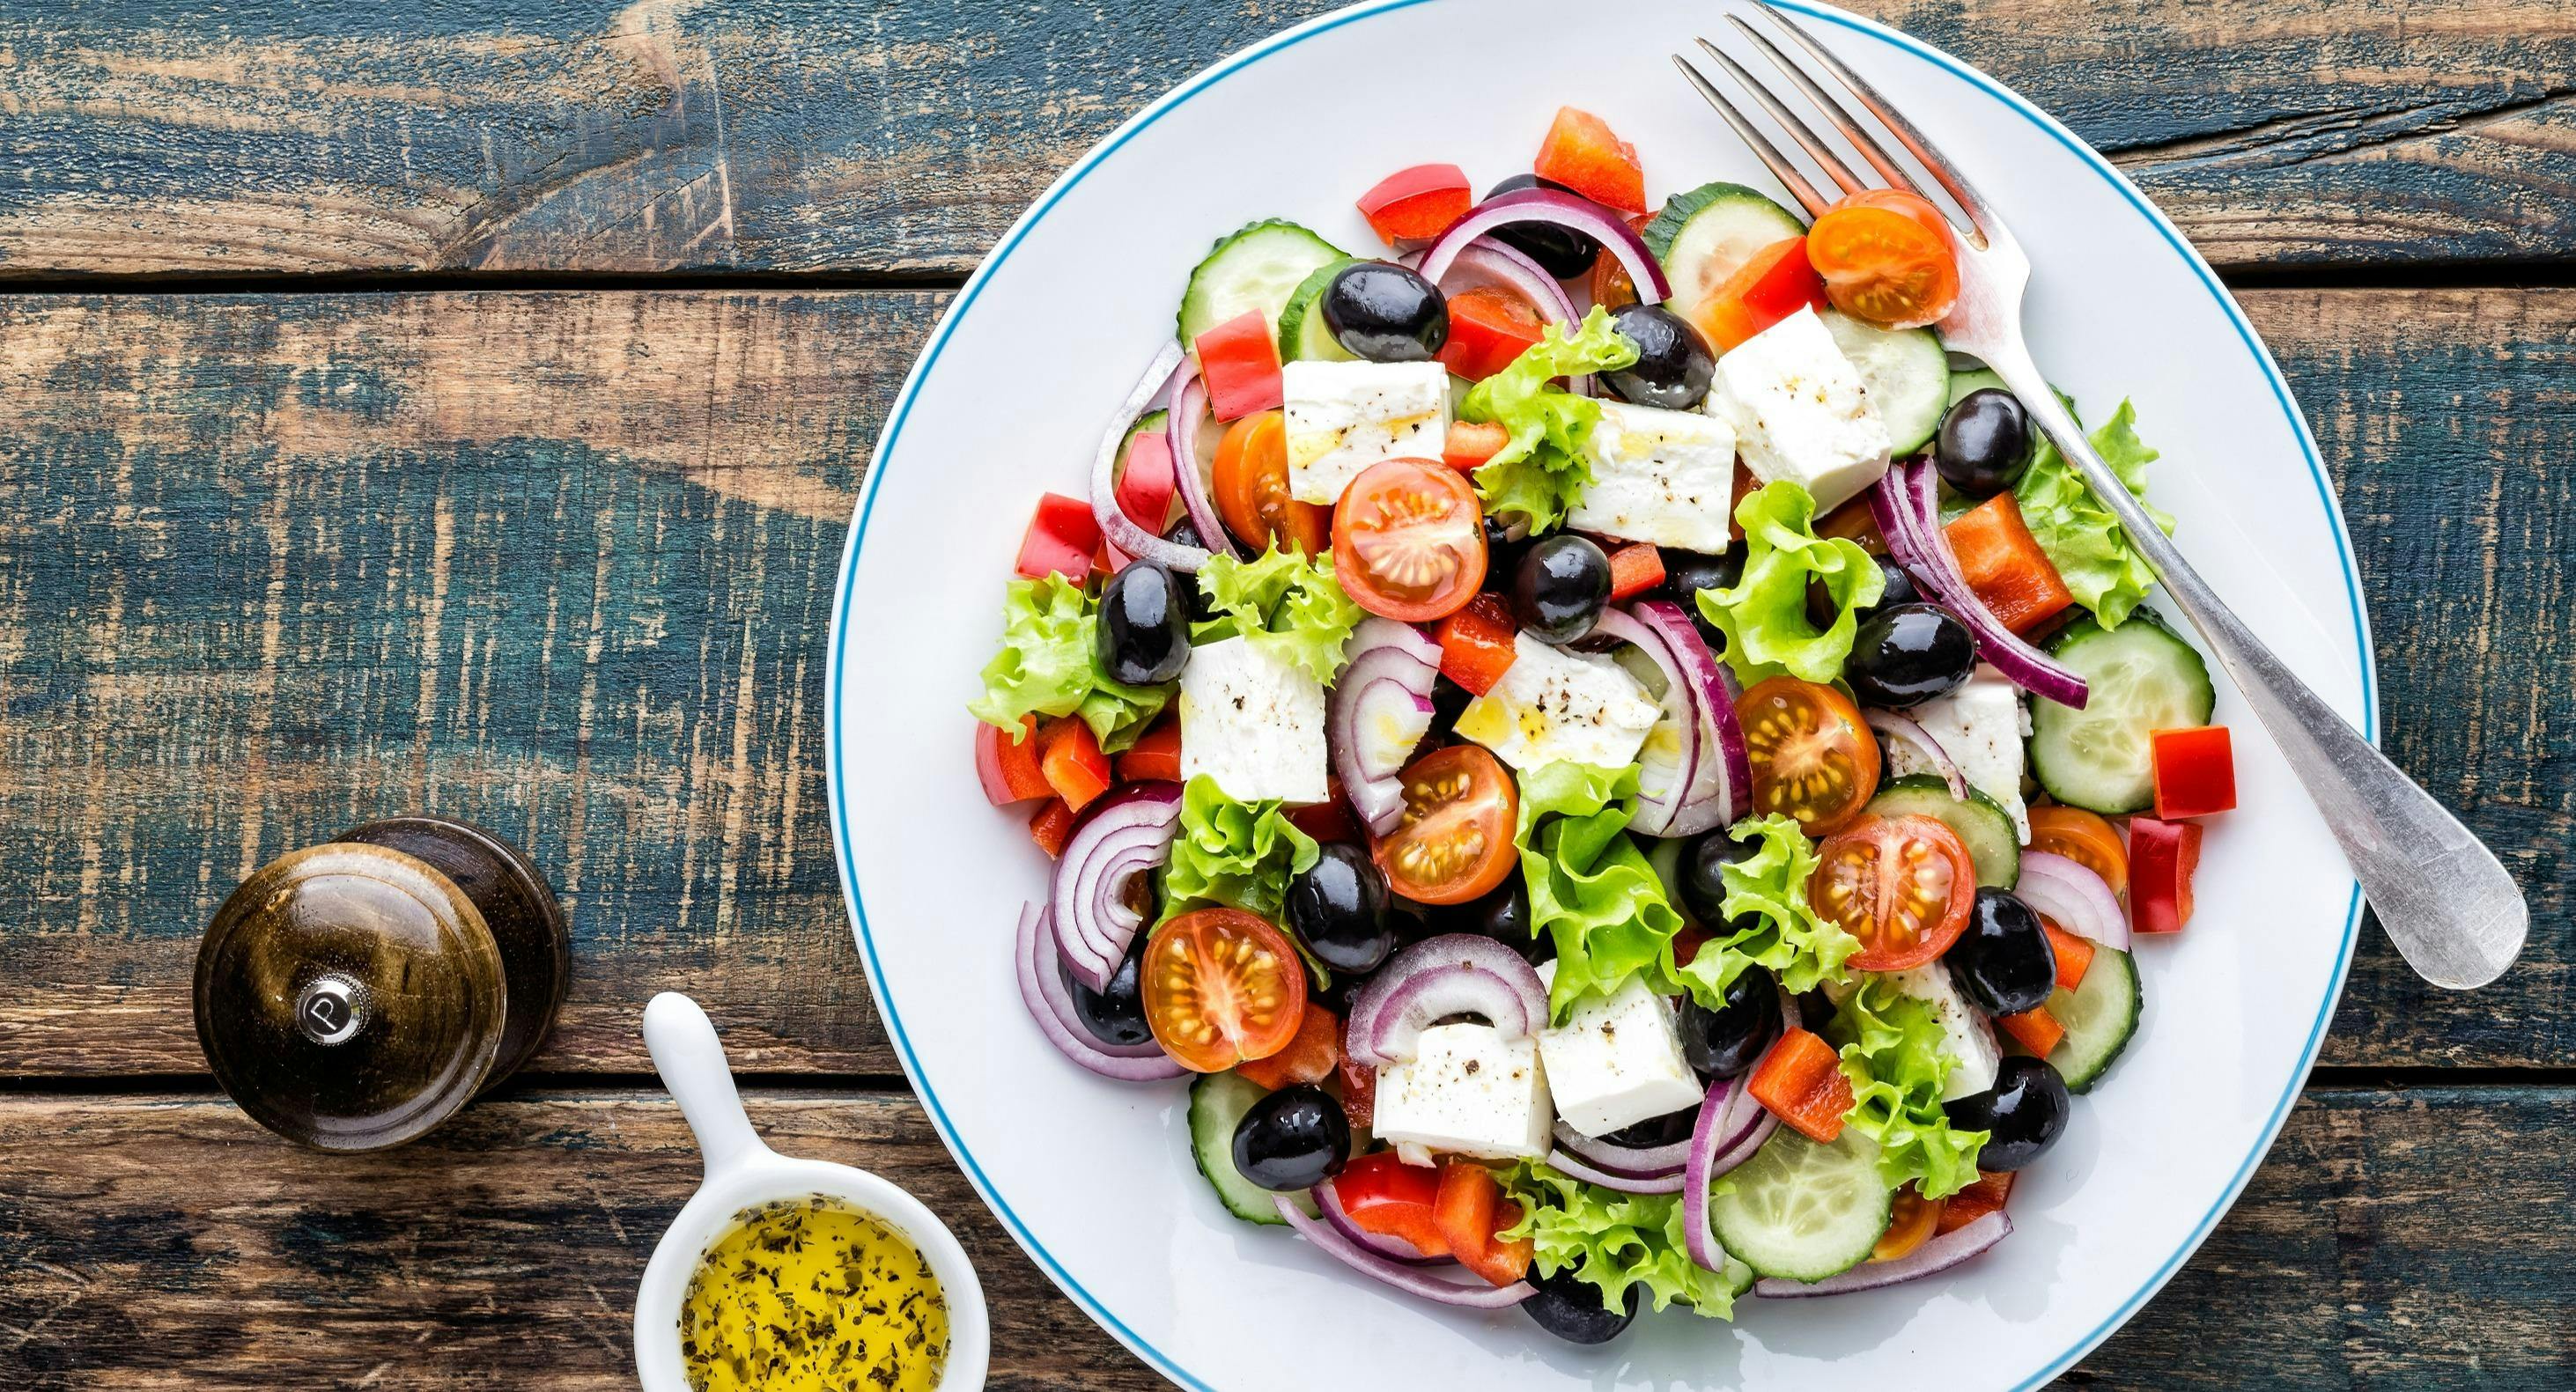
(813, 1295)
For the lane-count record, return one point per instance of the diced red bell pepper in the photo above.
(1417, 204)
(1052, 827)
(1311, 1056)
(1583, 154)
(1107, 559)
(2004, 565)
(1073, 763)
(1634, 570)
(1488, 328)
(2074, 955)
(1471, 443)
(1985, 1196)
(1061, 539)
(2163, 856)
(1007, 765)
(1359, 1086)
(1775, 284)
(1145, 486)
(1155, 756)
(1386, 1196)
(1329, 820)
(1470, 1210)
(2035, 1030)
(1478, 643)
(2195, 772)
(1239, 361)
(1801, 1080)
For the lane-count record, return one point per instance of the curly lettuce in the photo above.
(1542, 472)
(1892, 1051)
(1591, 890)
(1785, 934)
(1049, 665)
(1234, 853)
(2083, 540)
(1616, 1241)
(1291, 607)
(1764, 616)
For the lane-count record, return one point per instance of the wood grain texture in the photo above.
(195, 137)
(165, 1243)
(563, 565)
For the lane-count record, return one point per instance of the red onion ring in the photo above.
(1907, 508)
(1187, 412)
(1452, 974)
(1641, 1162)
(1051, 1005)
(1560, 210)
(1411, 1280)
(1894, 726)
(1713, 1153)
(1935, 1255)
(1328, 1201)
(1124, 532)
(1663, 788)
(2069, 893)
(1129, 834)
(1573, 1168)
(1387, 679)
(1723, 791)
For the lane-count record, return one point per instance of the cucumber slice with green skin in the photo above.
(1802, 1210)
(1906, 373)
(1707, 234)
(1983, 825)
(1302, 331)
(2143, 678)
(2100, 1017)
(1256, 268)
(1217, 1102)
(1962, 383)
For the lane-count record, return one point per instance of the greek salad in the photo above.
(1620, 770)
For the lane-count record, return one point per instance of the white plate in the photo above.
(1094, 1178)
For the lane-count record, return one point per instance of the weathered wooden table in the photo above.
(457, 406)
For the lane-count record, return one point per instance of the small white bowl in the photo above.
(742, 1173)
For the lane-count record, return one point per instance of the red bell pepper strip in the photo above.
(1239, 361)
(1146, 485)
(1477, 644)
(2035, 1030)
(2163, 856)
(1775, 284)
(1581, 153)
(1073, 763)
(1155, 756)
(2002, 562)
(1052, 827)
(1471, 443)
(1007, 765)
(2074, 955)
(1329, 820)
(1634, 570)
(1488, 328)
(1985, 1196)
(1417, 204)
(1470, 1210)
(1802, 1082)
(1384, 1195)
(1062, 539)
(2195, 772)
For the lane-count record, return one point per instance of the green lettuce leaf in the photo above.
(1292, 607)
(1590, 888)
(2082, 539)
(1543, 472)
(1764, 617)
(1800, 948)
(1892, 1053)
(1048, 665)
(1616, 1241)
(1233, 853)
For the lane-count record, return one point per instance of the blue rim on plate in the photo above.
(1172, 101)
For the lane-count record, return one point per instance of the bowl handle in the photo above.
(692, 1063)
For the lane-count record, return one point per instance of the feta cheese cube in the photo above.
(1982, 726)
(1554, 706)
(1800, 411)
(1965, 1035)
(1617, 1060)
(1467, 1091)
(1252, 722)
(1341, 417)
(1662, 476)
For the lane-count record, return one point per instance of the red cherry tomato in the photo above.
(1409, 540)
(1902, 885)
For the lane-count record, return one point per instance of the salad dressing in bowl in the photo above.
(813, 1294)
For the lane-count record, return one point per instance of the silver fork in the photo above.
(2441, 895)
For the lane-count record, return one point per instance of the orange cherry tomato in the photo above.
(1455, 841)
(1409, 540)
(1902, 885)
(1886, 257)
(2084, 838)
(1222, 986)
(1252, 489)
(1812, 756)
(1916, 1218)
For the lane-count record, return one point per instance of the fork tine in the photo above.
(1798, 130)
(1859, 136)
(1763, 150)
(1904, 130)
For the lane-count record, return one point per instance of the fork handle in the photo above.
(2451, 908)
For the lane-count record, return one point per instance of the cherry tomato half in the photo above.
(2084, 838)
(1915, 1220)
(1902, 885)
(1252, 489)
(1812, 756)
(1409, 540)
(1222, 986)
(1455, 841)
(1886, 257)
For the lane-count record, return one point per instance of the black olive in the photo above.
(2023, 1114)
(1571, 1308)
(1985, 443)
(1686, 573)
(1560, 251)
(1816, 1010)
(1909, 654)
(1702, 888)
(1502, 554)
(1673, 364)
(1292, 1140)
(1144, 633)
(1501, 913)
(1895, 587)
(1723, 1042)
(1338, 907)
(1115, 1015)
(1386, 313)
(1448, 699)
(2003, 962)
(1560, 588)
(1668, 1129)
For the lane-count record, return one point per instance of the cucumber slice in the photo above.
(1217, 1102)
(1984, 827)
(1905, 371)
(1256, 268)
(1302, 333)
(1705, 235)
(2144, 678)
(1803, 1210)
(2100, 1016)
(1978, 379)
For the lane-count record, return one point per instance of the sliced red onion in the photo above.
(1328, 1201)
(1714, 1151)
(1894, 726)
(1637, 1162)
(1937, 1254)
(1130, 834)
(2069, 893)
(1669, 762)
(1375, 632)
(1412, 1280)
(1381, 709)
(1573, 1168)
(1183, 417)
(1764, 1122)
(1452, 974)
(1043, 991)
(1722, 792)
(1486, 261)
(1907, 508)
(1123, 531)
(1560, 210)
